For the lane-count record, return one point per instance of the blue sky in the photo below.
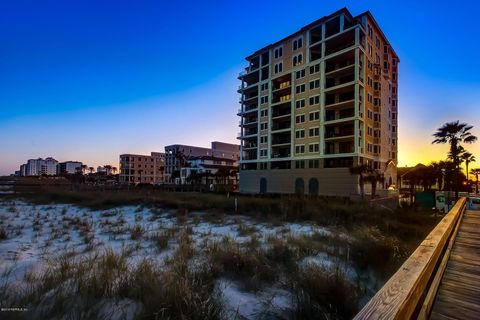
(89, 80)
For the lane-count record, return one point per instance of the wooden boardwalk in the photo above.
(458, 296)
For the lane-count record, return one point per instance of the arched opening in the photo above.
(313, 187)
(299, 186)
(263, 185)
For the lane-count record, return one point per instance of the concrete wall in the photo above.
(337, 181)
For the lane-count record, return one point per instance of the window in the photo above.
(369, 114)
(263, 166)
(263, 99)
(300, 74)
(313, 163)
(300, 118)
(264, 113)
(314, 100)
(315, 84)
(313, 147)
(278, 67)
(300, 103)
(299, 134)
(314, 115)
(313, 132)
(278, 52)
(264, 87)
(300, 164)
(297, 60)
(263, 139)
(315, 68)
(300, 88)
(264, 126)
(300, 149)
(263, 152)
(298, 43)
(377, 42)
(369, 131)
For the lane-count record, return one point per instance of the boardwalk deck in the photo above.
(458, 296)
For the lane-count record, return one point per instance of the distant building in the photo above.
(108, 170)
(137, 168)
(209, 170)
(23, 170)
(178, 155)
(316, 103)
(69, 167)
(38, 167)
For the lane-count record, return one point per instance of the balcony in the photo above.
(340, 64)
(339, 115)
(281, 99)
(248, 132)
(278, 153)
(332, 82)
(250, 145)
(247, 109)
(334, 148)
(340, 42)
(339, 132)
(281, 125)
(248, 121)
(250, 155)
(316, 34)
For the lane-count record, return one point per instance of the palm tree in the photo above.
(91, 169)
(360, 170)
(475, 172)
(454, 133)
(108, 169)
(114, 170)
(468, 158)
(84, 168)
(374, 177)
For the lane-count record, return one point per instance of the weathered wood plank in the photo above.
(459, 293)
(399, 297)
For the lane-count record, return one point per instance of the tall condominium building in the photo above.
(178, 155)
(316, 103)
(38, 167)
(137, 168)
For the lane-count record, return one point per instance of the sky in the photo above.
(90, 80)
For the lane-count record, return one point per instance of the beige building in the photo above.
(316, 103)
(136, 168)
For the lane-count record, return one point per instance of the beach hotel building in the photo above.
(316, 103)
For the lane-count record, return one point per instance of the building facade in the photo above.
(177, 156)
(209, 170)
(69, 167)
(316, 103)
(38, 167)
(136, 168)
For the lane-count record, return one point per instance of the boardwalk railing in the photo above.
(410, 292)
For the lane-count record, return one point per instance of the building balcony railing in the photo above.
(246, 109)
(280, 155)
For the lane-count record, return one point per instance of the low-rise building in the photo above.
(209, 170)
(137, 168)
(178, 156)
(69, 167)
